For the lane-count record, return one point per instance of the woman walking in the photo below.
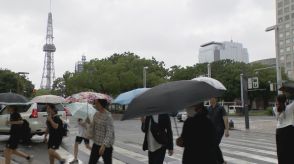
(285, 130)
(54, 125)
(103, 133)
(16, 123)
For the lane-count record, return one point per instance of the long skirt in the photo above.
(285, 144)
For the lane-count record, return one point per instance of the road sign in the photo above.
(253, 83)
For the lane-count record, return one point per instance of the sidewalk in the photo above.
(258, 124)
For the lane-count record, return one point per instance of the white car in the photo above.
(34, 113)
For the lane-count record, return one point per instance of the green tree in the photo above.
(13, 82)
(115, 74)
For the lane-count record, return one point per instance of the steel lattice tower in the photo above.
(48, 75)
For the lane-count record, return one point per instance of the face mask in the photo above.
(190, 111)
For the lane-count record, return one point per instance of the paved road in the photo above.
(241, 147)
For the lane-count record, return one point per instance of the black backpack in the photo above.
(63, 130)
(25, 131)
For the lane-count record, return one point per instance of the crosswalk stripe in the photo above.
(137, 156)
(64, 154)
(88, 152)
(249, 155)
(248, 149)
(236, 161)
(251, 145)
(250, 141)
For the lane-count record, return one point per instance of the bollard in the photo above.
(231, 124)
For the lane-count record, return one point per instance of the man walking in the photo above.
(158, 137)
(218, 116)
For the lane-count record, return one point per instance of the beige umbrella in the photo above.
(53, 99)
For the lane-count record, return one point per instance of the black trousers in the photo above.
(94, 157)
(219, 136)
(285, 144)
(157, 157)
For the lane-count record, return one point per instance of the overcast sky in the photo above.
(169, 30)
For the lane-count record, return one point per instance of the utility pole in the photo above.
(244, 99)
(208, 70)
(144, 76)
(278, 68)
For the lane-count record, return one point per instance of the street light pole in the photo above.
(208, 70)
(278, 68)
(144, 76)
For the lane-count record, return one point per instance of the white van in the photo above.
(234, 108)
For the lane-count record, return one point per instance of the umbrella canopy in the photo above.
(12, 99)
(211, 81)
(53, 99)
(81, 110)
(287, 87)
(126, 97)
(171, 97)
(88, 97)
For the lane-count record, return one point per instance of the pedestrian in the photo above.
(15, 123)
(102, 130)
(158, 137)
(218, 116)
(54, 128)
(198, 138)
(285, 130)
(82, 125)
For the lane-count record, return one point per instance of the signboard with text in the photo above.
(253, 83)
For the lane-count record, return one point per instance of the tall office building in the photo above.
(214, 51)
(285, 32)
(79, 66)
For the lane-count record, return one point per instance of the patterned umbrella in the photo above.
(88, 97)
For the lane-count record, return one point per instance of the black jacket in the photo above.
(164, 124)
(199, 137)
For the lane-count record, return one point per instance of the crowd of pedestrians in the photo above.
(201, 134)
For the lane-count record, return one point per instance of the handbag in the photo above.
(159, 134)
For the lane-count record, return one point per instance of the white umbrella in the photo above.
(53, 99)
(81, 110)
(213, 82)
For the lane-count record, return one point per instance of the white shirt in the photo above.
(285, 118)
(81, 130)
(153, 145)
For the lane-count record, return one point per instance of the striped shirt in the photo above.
(103, 129)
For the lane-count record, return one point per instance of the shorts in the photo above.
(54, 142)
(80, 139)
(12, 142)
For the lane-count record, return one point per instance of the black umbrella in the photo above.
(171, 97)
(287, 87)
(12, 99)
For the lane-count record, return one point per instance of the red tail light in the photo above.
(34, 113)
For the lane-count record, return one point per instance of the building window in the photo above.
(281, 35)
(286, 2)
(282, 58)
(281, 50)
(282, 42)
(280, 12)
(288, 49)
(287, 17)
(280, 20)
(292, 7)
(288, 58)
(288, 65)
(286, 9)
(288, 33)
(287, 25)
(280, 4)
(288, 41)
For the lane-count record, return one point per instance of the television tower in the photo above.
(48, 75)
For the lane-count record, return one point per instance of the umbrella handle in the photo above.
(176, 125)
